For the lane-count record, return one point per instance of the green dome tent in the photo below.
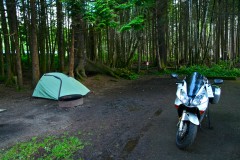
(59, 86)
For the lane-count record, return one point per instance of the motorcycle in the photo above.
(194, 93)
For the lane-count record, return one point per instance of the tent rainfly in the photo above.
(58, 86)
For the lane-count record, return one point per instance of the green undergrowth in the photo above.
(51, 147)
(222, 71)
(126, 73)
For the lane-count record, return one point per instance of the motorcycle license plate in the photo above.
(209, 91)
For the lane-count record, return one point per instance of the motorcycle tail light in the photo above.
(176, 106)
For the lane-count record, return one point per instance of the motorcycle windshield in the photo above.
(194, 83)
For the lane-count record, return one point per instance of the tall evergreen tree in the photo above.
(34, 44)
(6, 40)
(12, 19)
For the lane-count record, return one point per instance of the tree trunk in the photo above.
(2, 73)
(154, 38)
(12, 19)
(187, 44)
(133, 49)
(60, 35)
(238, 35)
(219, 33)
(6, 42)
(162, 22)
(42, 36)
(71, 56)
(233, 54)
(224, 38)
(25, 30)
(99, 46)
(80, 48)
(79, 43)
(91, 45)
(34, 47)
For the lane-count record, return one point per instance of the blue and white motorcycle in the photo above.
(193, 95)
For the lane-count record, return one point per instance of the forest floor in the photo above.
(124, 120)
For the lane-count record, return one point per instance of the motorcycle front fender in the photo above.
(190, 117)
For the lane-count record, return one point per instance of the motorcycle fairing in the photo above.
(194, 83)
(183, 86)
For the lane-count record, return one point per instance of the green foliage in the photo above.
(25, 62)
(126, 74)
(135, 57)
(75, 7)
(101, 13)
(144, 3)
(51, 147)
(217, 70)
(124, 6)
(137, 24)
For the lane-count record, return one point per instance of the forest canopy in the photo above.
(40, 36)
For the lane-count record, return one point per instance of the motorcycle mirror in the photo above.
(218, 81)
(174, 75)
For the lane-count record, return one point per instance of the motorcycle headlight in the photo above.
(184, 97)
(199, 99)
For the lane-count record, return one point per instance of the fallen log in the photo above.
(99, 68)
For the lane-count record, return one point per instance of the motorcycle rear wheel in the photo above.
(184, 140)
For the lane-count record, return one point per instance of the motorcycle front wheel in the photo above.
(186, 137)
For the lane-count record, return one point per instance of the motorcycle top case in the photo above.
(217, 93)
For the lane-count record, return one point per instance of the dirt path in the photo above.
(132, 120)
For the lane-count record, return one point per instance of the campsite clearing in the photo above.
(122, 119)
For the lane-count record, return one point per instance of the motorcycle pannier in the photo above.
(217, 93)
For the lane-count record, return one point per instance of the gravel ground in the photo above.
(124, 120)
